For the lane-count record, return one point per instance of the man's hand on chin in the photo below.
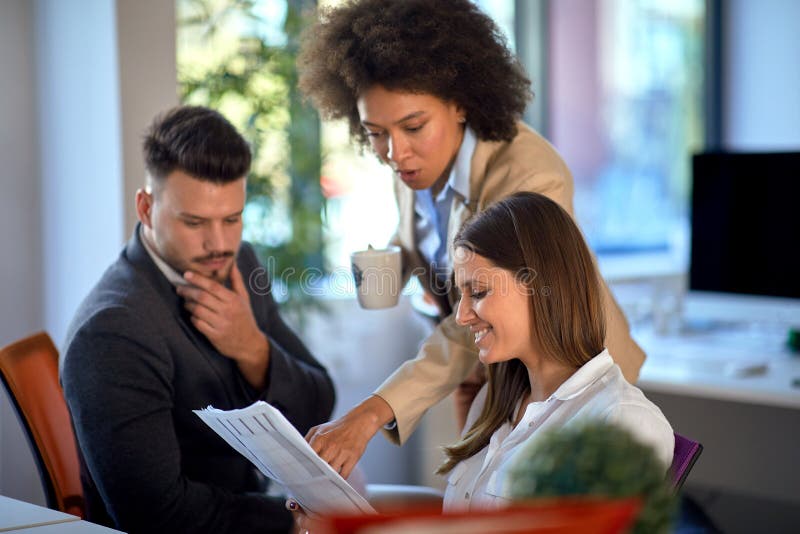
(226, 318)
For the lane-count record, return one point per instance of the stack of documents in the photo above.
(264, 436)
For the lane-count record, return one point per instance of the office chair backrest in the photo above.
(686, 454)
(29, 371)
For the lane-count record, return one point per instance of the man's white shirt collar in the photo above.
(175, 278)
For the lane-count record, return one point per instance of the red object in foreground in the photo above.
(545, 516)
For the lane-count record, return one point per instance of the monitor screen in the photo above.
(745, 221)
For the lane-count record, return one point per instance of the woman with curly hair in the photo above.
(432, 88)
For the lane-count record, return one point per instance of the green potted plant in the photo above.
(599, 460)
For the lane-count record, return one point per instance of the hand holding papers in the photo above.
(264, 436)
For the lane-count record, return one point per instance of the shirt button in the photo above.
(530, 424)
(466, 495)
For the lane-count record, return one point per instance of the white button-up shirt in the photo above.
(175, 278)
(597, 391)
(432, 214)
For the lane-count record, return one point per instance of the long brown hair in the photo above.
(534, 238)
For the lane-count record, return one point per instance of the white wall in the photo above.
(20, 304)
(21, 265)
(762, 75)
(80, 149)
(75, 96)
(104, 71)
(148, 83)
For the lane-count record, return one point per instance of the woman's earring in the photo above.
(462, 120)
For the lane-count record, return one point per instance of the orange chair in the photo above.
(29, 371)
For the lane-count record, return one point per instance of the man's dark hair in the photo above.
(198, 141)
(446, 48)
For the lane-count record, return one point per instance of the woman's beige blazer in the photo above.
(498, 169)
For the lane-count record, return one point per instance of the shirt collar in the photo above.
(584, 377)
(459, 174)
(171, 274)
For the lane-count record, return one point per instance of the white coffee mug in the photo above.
(377, 274)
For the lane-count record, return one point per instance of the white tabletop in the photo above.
(741, 364)
(16, 514)
(23, 517)
(71, 527)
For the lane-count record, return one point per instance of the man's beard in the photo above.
(220, 275)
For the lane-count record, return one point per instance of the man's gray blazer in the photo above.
(133, 370)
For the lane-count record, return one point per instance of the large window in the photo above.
(625, 110)
(619, 82)
(239, 57)
(624, 87)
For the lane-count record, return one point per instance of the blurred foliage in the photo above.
(596, 459)
(237, 57)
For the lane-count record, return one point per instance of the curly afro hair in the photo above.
(446, 48)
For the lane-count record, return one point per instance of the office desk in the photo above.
(732, 390)
(741, 364)
(18, 516)
(71, 527)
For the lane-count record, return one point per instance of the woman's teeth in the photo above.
(481, 334)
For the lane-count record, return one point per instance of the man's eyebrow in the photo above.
(186, 215)
(403, 119)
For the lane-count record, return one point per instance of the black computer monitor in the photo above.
(745, 241)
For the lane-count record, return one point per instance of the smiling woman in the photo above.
(542, 338)
(493, 303)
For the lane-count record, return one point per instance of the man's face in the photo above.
(194, 225)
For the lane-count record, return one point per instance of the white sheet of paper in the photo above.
(265, 437)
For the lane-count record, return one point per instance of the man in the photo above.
(184, 319)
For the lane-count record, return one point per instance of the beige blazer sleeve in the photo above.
(528, 163)
(443, 361)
